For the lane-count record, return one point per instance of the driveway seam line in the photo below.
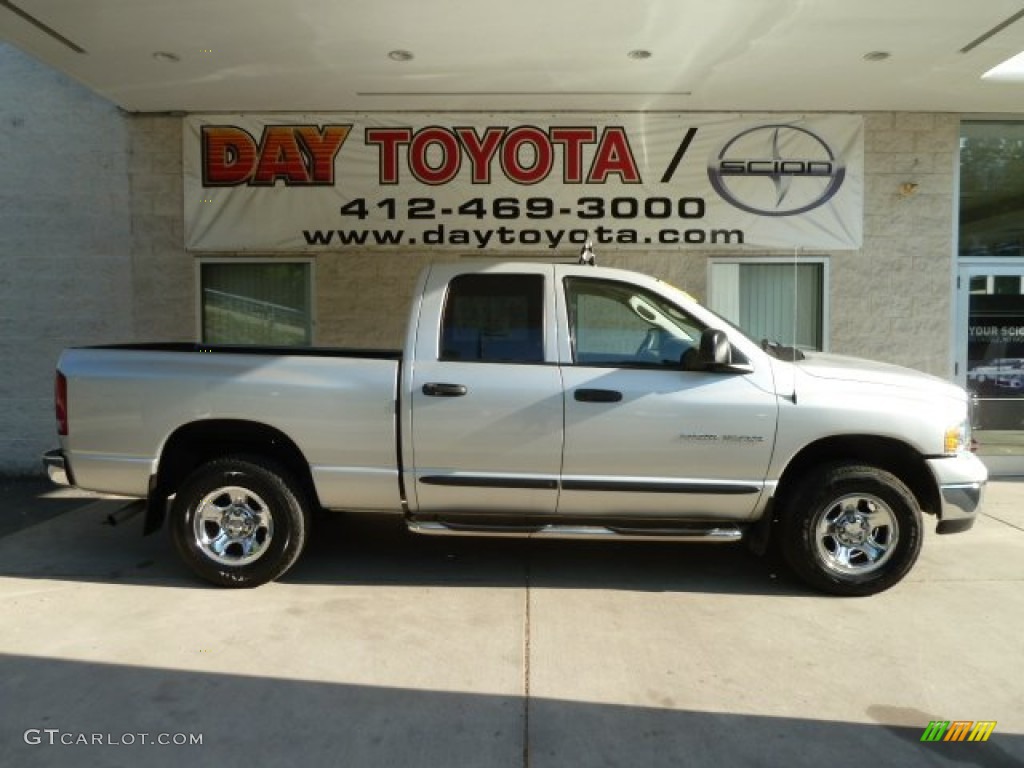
(526, 664)
(1004, 522)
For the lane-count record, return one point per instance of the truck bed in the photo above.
(249, 349)
(337, 406)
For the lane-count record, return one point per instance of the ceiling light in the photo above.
(877, 56)
(400, 55)
(639, 54)
(167, 58)
(1011, 70)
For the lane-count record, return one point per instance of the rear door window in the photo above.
(494, 318)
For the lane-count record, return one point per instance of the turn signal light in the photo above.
(957, 439)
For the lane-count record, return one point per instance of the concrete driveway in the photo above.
(384, 649)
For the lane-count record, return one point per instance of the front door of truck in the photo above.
(486, 403)
(645, 438)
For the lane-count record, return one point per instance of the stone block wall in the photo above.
(893, 299)
(164, 275)
(65, 242)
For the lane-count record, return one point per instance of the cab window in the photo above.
(494, 318)
(619, 325)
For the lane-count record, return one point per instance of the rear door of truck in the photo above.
(483, 415)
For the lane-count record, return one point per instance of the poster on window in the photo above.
(995, 360)
(523, 183)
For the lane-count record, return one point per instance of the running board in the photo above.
(718, 533)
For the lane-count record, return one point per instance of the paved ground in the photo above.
(383, 649)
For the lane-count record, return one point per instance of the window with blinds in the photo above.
(778, 300)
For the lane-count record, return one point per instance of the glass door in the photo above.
(990, 359)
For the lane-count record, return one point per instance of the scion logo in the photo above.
(776, 170)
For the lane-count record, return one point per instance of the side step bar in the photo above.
(717, 533)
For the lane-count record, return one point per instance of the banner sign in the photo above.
(523, 183)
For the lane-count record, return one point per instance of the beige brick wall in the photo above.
(163, 273)
(893, 299)
(363, 300)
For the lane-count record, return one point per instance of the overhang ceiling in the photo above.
(538, 55)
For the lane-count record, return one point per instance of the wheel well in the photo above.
(885, 453)
(197, 443)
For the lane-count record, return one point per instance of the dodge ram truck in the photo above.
(534, 400)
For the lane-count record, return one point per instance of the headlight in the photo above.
(957, 439)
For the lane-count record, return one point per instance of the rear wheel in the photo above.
(851, 529)
(239, 521)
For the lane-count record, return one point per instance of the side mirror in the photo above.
(715, 349)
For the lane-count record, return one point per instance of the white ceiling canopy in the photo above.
(429, 55)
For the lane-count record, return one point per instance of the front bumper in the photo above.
(57, 468)
(961, 480)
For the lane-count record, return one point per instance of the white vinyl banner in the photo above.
(525, 183)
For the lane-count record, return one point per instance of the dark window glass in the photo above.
(494, 318)
(992, 189)
(256, 303)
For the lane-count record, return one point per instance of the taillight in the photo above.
(61, 402)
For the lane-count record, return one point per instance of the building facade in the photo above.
(93, 250)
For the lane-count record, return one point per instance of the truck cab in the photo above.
(594, 396)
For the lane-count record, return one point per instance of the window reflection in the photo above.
(992, 189)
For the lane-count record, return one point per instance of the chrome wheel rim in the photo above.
(856, 534)
(233, 526)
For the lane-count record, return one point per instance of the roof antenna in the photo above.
(587, 256)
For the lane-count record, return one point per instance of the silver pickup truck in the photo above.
(531, 399)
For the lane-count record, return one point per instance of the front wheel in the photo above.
(851, 529)
(239, 521)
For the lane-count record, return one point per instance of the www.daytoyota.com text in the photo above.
(654, 212)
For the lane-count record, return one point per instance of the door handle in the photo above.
(597, 395)
(436, 389)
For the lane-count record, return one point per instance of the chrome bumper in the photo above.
(961, 481)
(56, 468)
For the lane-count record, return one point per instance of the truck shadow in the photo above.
(82, 546)
(29, 500)
(368, 549)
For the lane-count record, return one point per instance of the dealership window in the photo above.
(992, 189)
(990, 354)
(776, 299)
(256, 302)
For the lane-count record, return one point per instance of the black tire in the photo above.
(851, 529)
(239, 521)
